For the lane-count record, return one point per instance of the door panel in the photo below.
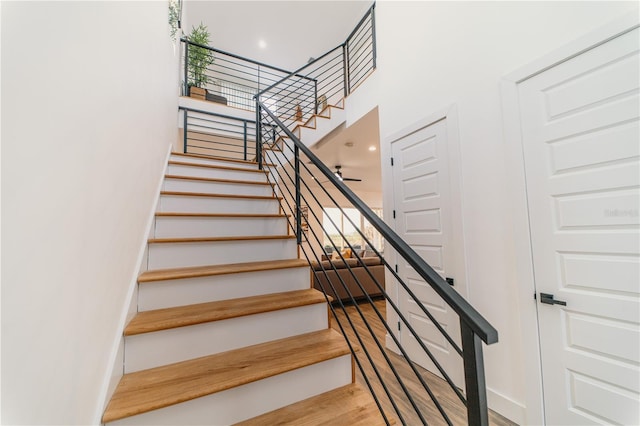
(581, 152)
(423, 219)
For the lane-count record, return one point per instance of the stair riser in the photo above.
(150, 350)
(213, 162)
(204, 187)
(213, 173)
(178, 255)
(278, 158)
(250, 400)
(191, 204)
(166, 294)
(176, 227)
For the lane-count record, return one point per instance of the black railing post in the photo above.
(296, 152)
(477, 414)
(315, 95)
(245, 140)
(184, 128)
(345, 68)
(258, 135)
(373, 34)
(186, 68)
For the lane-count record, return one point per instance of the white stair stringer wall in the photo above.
(182, 215)
(117, 365)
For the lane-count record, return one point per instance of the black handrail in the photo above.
(465, 311)
(229, 76)
(474, 327)
(233, 55)
(214, 134)
(296, 73)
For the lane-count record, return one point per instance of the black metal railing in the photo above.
(298, 175)
(220, 135)
(324, 80)
(218, 76)
(226, 78)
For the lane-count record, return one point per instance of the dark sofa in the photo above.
(374, 264)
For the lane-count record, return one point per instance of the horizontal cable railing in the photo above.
(219, 135)
(215, 75)
(324, 80)
(224, 77)
(309, 188)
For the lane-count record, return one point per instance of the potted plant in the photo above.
(199, 61)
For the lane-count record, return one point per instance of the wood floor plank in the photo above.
(181, 316)
(346, 406)
(171, 384)
(452, 405)
(232, 268)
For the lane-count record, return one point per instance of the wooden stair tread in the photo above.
(214, 166)
(204, 194)
(224, 215)
(159, 387)
(233, 268)
(211, 157)
(348, 405)
(181, 316)
(231, 181)
(219, 239)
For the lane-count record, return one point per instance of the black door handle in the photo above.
(548, 299)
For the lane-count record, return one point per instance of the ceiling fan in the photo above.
(338, 174)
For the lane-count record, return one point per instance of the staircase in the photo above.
(310, 132)
(228, 327)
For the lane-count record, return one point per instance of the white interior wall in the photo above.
(432, 55)
(89, 99)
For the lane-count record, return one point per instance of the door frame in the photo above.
(450, 114)
(530, 333)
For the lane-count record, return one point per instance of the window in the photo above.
(345, 223)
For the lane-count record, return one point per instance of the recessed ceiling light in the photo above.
(262, 44)
(372, 148)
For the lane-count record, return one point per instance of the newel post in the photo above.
(477, 411)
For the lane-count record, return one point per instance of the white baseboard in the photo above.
(116, 370)
(506, 407)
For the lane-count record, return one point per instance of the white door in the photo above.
(422, 201)
(581, 145)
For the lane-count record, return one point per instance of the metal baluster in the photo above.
(245, 140)
(186, 70)
(258, 135)
(475, 385)
(296, 154)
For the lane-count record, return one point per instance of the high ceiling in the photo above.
(293, 31)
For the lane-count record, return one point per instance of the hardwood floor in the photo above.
(451, 404)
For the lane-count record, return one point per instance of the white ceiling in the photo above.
(293, 31)
(356, 161)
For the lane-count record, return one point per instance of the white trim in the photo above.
(534, 409)
(507, 407)
(116, 371)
